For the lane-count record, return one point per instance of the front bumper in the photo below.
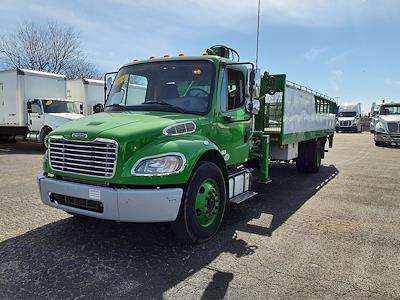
(125, 205)
(387, 138)
(346, 128)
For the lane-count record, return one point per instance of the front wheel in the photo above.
(203, 205)
(45, 136)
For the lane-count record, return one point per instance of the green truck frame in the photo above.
(180, 139)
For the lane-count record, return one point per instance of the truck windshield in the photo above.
(178, 86)
(390, 110)
(347, 114)
(56, 106)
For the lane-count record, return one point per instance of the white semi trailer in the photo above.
(32, 104)
(88, 91)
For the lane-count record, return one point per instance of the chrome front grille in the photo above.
(345, 123)
(393, 127)
(95, 158)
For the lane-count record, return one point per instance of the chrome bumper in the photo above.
(387, 138)
(125, 205)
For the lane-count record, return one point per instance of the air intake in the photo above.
(180, 128)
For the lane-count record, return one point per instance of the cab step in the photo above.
(243, 197)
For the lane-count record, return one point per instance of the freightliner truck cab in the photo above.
(174, 144)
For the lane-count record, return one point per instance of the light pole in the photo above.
(10, 54)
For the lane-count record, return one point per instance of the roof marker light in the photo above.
(152, 57)
(181, 54)
(166, 55)
(205, 53)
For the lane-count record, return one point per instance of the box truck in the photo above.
(88, 91)
(349, 118)
(181, 139)
(32, 104)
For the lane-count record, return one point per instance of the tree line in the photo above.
(49, 47)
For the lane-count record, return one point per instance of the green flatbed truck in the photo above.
(180, 139)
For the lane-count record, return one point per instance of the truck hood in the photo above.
(390, 118)
(123, 126)
(54, 120)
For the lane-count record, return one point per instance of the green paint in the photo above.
(207, 203)
(139, 134)
(264, 162)
(305, 136)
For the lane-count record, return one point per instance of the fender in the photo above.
(192, 147)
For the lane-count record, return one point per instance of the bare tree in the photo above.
(49, 48)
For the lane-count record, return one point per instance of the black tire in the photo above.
(378, 144)
(309, 157)
(186, 226)
(301, 162)
(44, 136)
(315, 156)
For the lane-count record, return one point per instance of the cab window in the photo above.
(232, 96)
(36, 108)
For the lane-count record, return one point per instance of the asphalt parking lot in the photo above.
(332, 235)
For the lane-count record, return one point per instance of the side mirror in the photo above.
(256, 107)
(29, 107)
(270, 82)
(98, 108)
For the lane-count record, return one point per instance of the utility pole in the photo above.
(258, 32)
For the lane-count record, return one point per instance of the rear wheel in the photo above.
(203, 205)
(309, 157)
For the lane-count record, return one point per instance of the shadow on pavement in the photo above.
(72, 258)
(21, 148)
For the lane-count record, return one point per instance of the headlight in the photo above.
(159, 165)
(380, 128)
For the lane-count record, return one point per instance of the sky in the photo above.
(347, 49)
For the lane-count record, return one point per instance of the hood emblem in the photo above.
(79, 135)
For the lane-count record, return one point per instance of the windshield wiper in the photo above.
(176, 108)
(117, 105)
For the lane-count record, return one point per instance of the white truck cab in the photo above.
(349, 118)
(387, 129)
(44, 115)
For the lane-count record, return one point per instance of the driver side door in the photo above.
(35, 116)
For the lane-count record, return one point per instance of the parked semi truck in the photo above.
(374, 116)
(32, 104)
(387, 128)
(88, 91)
(349, 118)
(180, 139)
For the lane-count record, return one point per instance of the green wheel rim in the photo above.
(207, 203)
